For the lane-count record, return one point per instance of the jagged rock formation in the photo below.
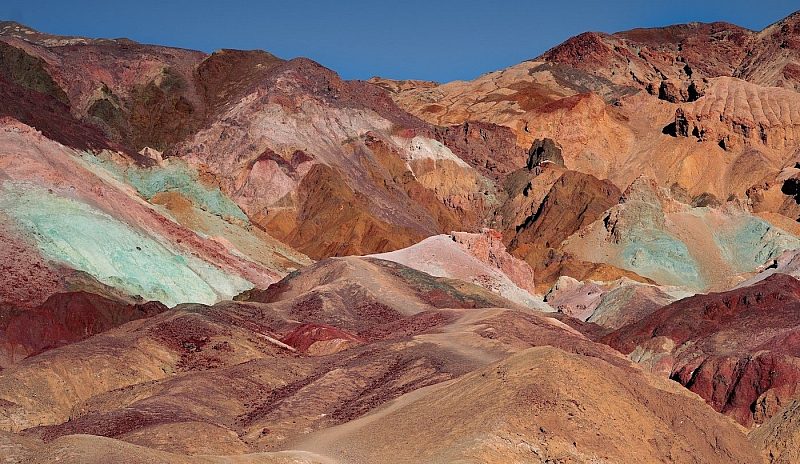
(736, 113)
(646, 57)
(775, 60)
(685, 52)
(574, 201)
(544, 150)
(545, 205)
(612, 101)
(736, 349)
(489, 148)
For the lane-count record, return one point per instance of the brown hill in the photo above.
(779, 438)
(218, 380)
(540, 405)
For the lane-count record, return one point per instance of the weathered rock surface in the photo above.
(65, 211)
(560, 423)
(611, 304)
(544, 150)
(779, 438)
(736, 349)
(736, 113)
(141, 95)
(489, 248)
(277, 122)
(611, 103)
(62, 319)
(130, 169)
(334, 167)
(672, 243)
(241, 377)
(574, 201)
(479, 258)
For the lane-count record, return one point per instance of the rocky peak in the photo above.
(544, 150)
(644, 189)
(679, 91)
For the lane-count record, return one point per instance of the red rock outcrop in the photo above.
(489, 148)
(686, 52)
(34, 106)
(320, 340)
(141, 95)
(62, 319)
(737, 349)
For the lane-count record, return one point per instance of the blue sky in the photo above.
(436, 40)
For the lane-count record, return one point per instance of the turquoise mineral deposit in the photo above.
(84, 238)
(173, 176)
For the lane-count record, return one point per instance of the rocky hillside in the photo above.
(592, 256)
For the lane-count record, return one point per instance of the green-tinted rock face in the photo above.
(751, 242)
(740, 243)
(173, 176)
(86, 239)
(28, 71)
(651, 251)
(660, 256)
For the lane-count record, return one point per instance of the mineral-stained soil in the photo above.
(736, 349)
(62, 319)
(245, 377)
(233, 257)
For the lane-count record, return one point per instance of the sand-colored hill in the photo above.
(540, 405)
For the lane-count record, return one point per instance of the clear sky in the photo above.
(438, 40)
